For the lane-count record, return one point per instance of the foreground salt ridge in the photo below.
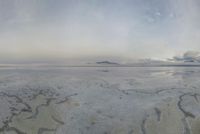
(100, 101)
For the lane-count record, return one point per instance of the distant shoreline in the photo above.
(71, 66)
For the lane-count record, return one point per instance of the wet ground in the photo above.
(100, 100)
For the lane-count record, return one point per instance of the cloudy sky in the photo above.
(59, 29)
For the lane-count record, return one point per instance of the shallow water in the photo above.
(100, 100)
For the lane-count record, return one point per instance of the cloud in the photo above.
(189, 56)
(134, 29)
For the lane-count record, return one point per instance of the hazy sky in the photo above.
(59, 29)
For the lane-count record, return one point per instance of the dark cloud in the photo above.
(189, 56)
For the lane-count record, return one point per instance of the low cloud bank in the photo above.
(189, 56)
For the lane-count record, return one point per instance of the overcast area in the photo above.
(47, 30)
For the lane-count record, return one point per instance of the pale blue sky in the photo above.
(59, 29)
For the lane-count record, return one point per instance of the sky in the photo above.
(45, 30)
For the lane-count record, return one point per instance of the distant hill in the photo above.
(107, 63)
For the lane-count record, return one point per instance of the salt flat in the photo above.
(100, 100)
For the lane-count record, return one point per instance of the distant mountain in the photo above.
(107, 63)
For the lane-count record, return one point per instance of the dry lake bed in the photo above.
(100, 100)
